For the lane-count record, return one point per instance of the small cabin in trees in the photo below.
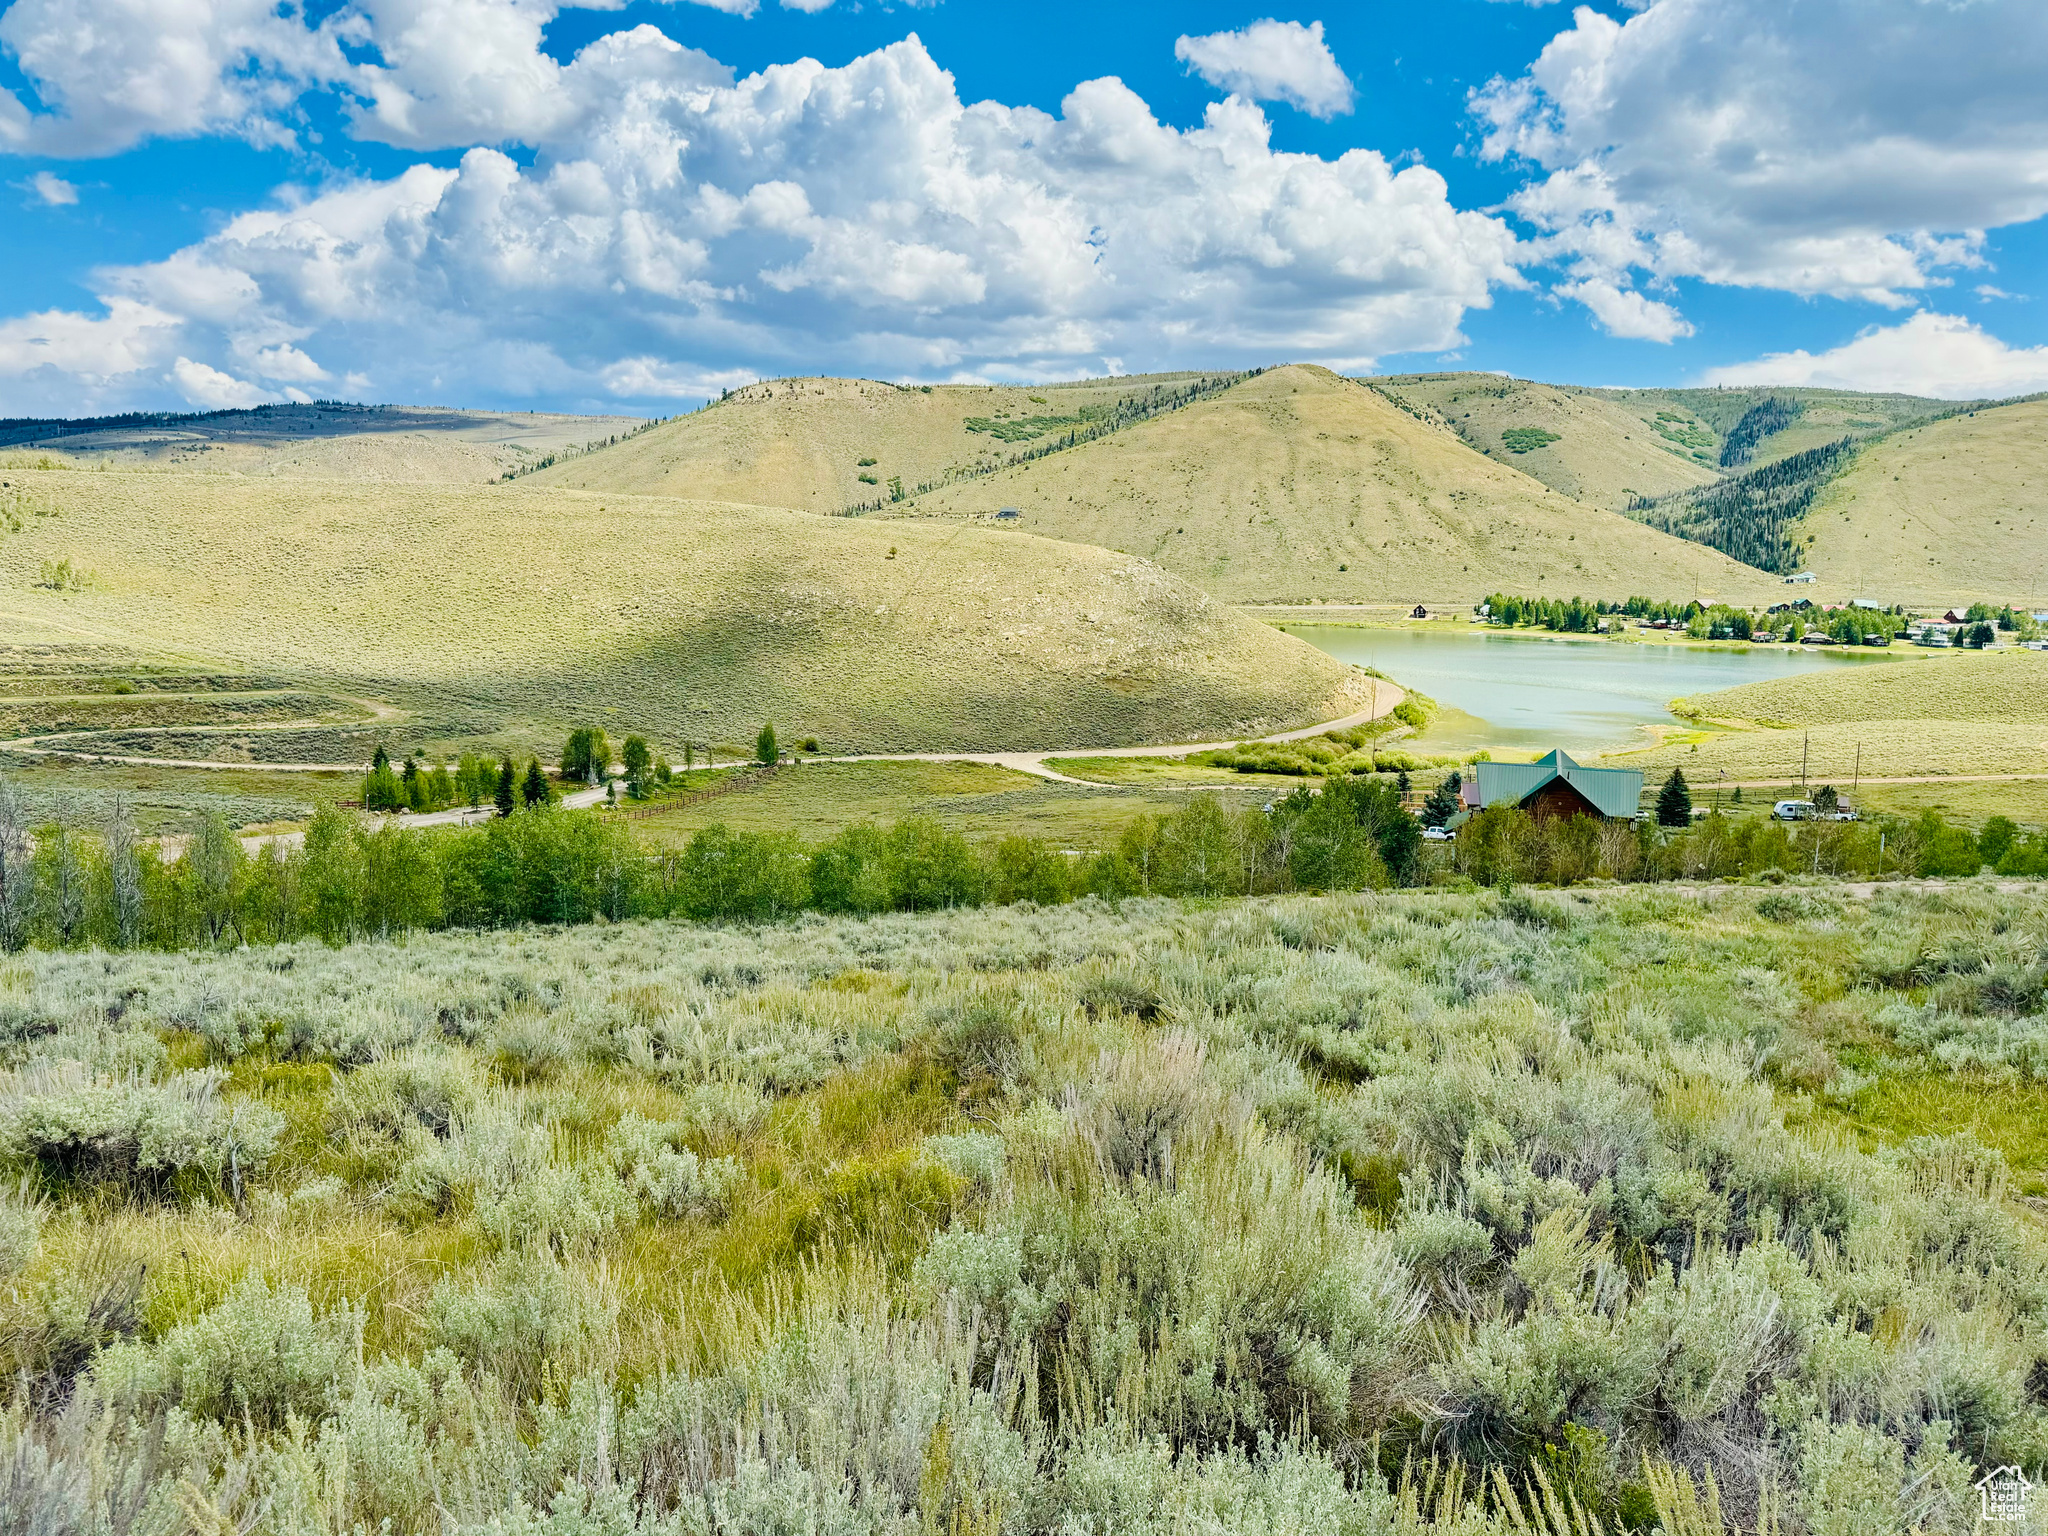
(1420, 612)
(1556, 786)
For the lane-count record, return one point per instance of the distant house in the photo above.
(1420, 612)
(1007, 514)
(1804, 578)
(1865, 602)
(1556, 786)
(1952, 617)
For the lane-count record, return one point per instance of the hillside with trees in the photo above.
(827, 445)
(1298, 485)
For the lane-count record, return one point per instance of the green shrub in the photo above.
(135, 1134)
(261, 1353)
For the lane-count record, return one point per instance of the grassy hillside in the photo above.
(1924, 715)
(1301, 485)
(856, 1226)
(1612, 446)
(1990, 685)
(1953, 510)
(808, 443)
(511, 611)
(1575, 441)
(325, 441)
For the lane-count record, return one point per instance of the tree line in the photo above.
(65, 887)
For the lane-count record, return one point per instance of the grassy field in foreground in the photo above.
(819, 799)
(518, 612)
(1300, 485)
(1151, 1219)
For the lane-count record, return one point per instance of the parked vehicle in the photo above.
(1438, 835)
(1793, 810)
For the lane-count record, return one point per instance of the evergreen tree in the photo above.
(1443, 802)
(508, 786)
(1401, 783)
(764, 745)
(535, 790)
(381, 760)
(1674, 802)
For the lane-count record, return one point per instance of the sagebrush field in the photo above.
(1369, 1214)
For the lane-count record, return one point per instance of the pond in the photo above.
(1523, 692)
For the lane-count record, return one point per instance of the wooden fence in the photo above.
(750, 779)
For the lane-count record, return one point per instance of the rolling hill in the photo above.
(1954, 510)
(1613, 446)
(824, 445)
(326, 440)
(1299, 485)
(509, 612)
(1574, 441)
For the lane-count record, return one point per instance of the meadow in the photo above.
(511, 613)
(820, 800)
(1932, 714)
(1377, 1214)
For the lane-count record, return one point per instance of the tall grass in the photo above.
(1379, 1213)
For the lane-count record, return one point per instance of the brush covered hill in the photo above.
(824, 445)
(1298, 485)
(1615, 446)
(516, 610)
(1574, 441)
(325, 440)
(1955, 510)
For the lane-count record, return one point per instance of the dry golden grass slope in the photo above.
(1956, 510)
(405, 444)
(2009, 685)
(1605, 452)
(535, 607)
(1300, 485)
(800, 442)
(1927, 714)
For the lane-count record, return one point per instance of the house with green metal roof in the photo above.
(1555, 785)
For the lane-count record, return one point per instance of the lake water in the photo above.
(1520, 692)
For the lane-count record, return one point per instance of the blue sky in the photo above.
(437, 200)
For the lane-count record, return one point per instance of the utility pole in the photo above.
(1805, 746)
(1856, 782)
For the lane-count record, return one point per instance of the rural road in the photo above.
(1385, 700)
(1387, 697)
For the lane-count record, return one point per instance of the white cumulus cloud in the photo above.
(1272, 61)
(678, 228)
(1945, 356)
(65, 356)
(212, 390)
(52, 191)
(1852, 148)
